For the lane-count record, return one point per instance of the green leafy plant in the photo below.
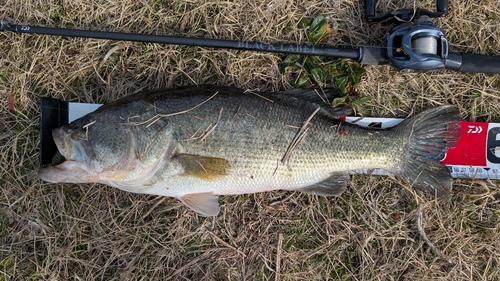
(318, 71)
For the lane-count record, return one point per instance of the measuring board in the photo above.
(476, 155)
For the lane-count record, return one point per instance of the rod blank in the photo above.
(188, 41)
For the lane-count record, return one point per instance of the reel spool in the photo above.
(427, 45)
(417, 46)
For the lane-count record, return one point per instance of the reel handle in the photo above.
(404, 14)
(467, 62)
(370, 8)
(442, 6)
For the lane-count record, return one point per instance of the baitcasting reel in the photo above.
(415, 44)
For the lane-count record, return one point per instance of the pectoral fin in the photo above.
(205, 204)
(205, 168)
(332, 186)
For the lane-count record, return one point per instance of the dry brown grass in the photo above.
(93, 232)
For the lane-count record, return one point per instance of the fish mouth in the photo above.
(57, 159)
(68, 171)
(69, 164)
(69, 148)
(64, 169)
(59, 137)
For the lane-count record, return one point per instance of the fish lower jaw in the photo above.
(68, 172)
(44, 174)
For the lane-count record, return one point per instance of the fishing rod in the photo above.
(414, 45)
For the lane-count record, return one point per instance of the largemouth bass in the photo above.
(195, 143)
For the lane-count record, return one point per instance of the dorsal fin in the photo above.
(321, 97)
(318, 96)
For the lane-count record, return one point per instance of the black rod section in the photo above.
(189, 41)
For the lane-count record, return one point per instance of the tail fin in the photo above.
(429, 135)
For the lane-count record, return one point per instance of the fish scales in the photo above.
(195, 143)
(260, 132)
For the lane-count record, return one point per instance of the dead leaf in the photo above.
(11, 102)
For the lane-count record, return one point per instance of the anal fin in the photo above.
(205, 204)
(335, 185)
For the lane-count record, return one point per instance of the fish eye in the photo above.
(85, 121)
(81, 123)
(79, 128)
